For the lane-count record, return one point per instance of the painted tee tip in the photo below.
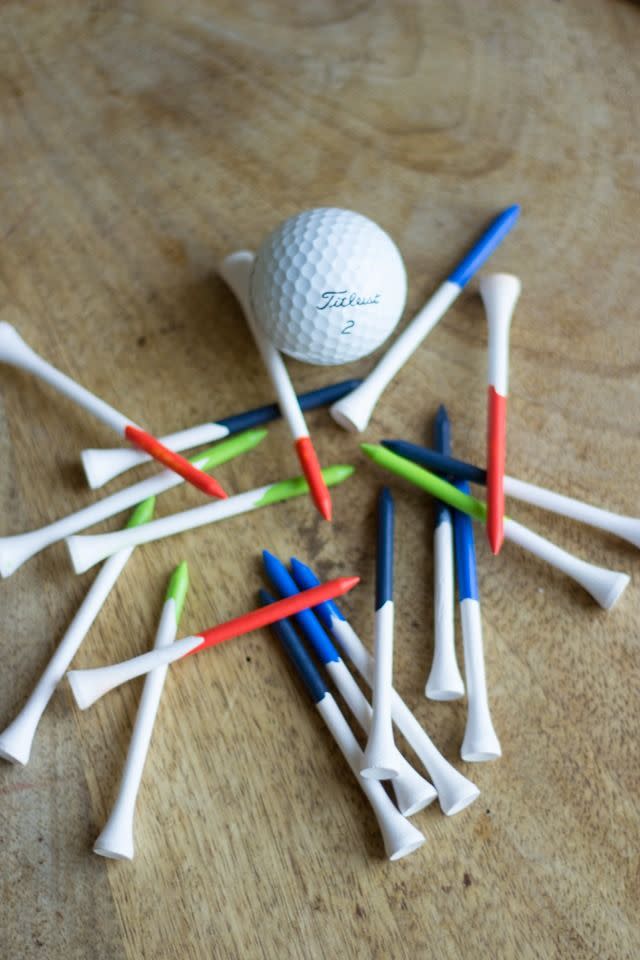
(178, 587)
(313, 475)
(143, 513)
(174, 461)
(320, 494)
(202, 481)
(495, 536)
(511, 213)
(349, 583)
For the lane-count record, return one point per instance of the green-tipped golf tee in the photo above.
(116, 839)
(15, 550)
(605, 586)
(16, 740)
(89, 685)
(619, 525)
(85, 551)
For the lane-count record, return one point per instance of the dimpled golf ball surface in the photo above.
(328, 286)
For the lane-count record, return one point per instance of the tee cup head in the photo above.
(116, 838)
(354, 411)
(480, 742)
(500, 293)
(381, 754)
(444, 681)
(605, 586)
(17, 549)
(412, 792)
(399, 836)
(101, 465)
(16, 740)
(13, 349)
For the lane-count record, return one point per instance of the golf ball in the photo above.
(328, 286)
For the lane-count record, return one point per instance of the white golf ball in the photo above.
(328, 286)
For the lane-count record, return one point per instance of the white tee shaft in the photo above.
(480, 741)
(399, 836)
(500, 293)
(455, 792)
(235, 271)
(444, 681)
(116, 839)
(87, 550)
(628, 528)
(380, 752)
(605, 586)
(354, 411)
(412, 791)
(16, 740)
(15, 351)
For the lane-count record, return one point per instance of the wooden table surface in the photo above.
(141, 141)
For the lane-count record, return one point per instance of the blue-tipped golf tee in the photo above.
(286, 634)
(482, 250)
(103, 465)
(399, 836)
(353, 412)
(380, 751)
(412, 791)
(455, 792)
(620, 526)
(480, 741)
(322, 397)
(438, 461)
(284, 583)
(444, 681)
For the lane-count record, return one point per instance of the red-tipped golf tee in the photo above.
(15, 351)
(235, 271)
(89, 685)
(499, 292)
(180, 465)
(287, 607)
(496, 458)
(313, 475)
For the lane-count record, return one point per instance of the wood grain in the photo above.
(141, 141)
